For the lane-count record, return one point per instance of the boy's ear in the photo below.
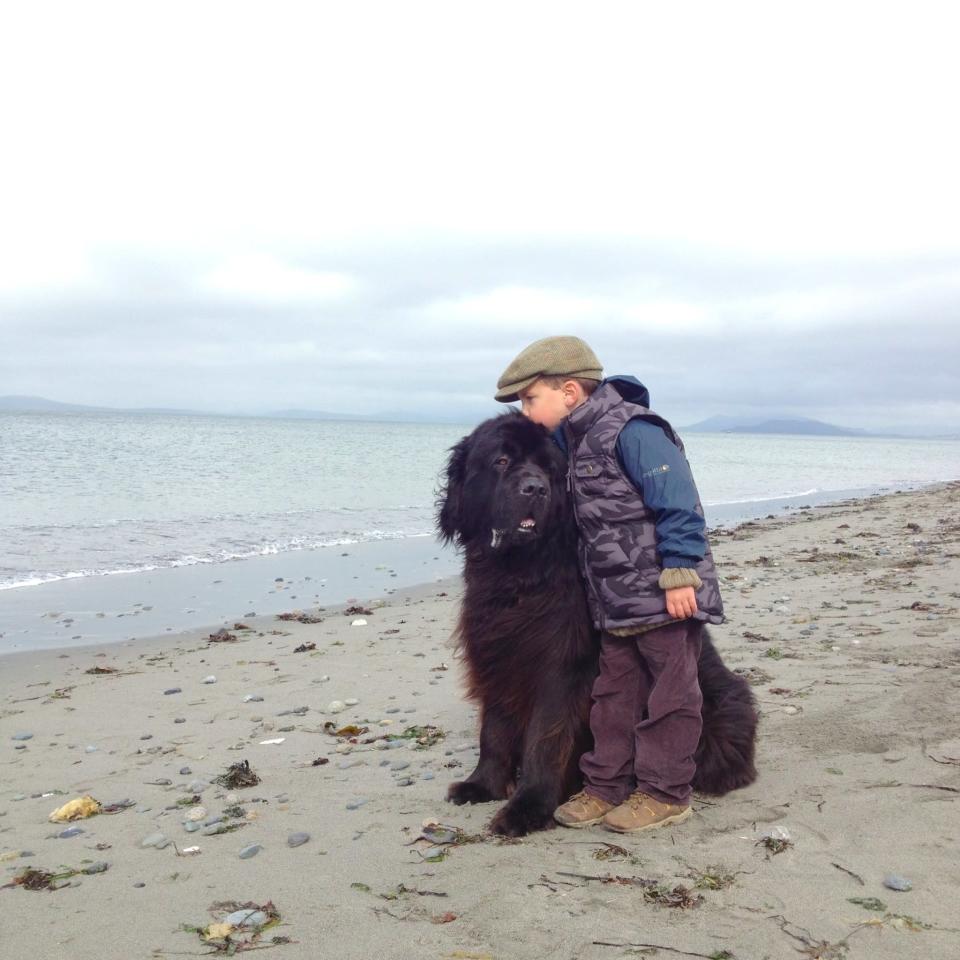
(450, 498)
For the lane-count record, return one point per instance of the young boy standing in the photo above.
(650, 581)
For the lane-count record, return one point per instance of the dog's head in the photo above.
(504, 486)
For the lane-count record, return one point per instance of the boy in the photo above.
(649, 575)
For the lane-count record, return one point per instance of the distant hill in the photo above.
(22, 404)
(19, 404)
(803, 426)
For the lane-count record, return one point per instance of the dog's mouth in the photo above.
(525, 529)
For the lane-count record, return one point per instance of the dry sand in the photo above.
(844, 616)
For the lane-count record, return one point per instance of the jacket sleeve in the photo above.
(660, 472)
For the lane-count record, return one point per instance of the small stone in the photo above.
(297, 839)
(90, 749)
(147, 736)
(351, 762)
(70, 832)
(210, 679)
(185, 771)
(212, 820)
(251, 851)
(253, 698)
(356, 803)
(22, 736)
(156, 840)
(776, 833)
(196, 813)
(179, 719)
(405, 782)
(399, 764)
(246, 918)
(426, 775)
(336, 706)
(351, 701)
(360, 622)
(893, 881)
(790, 711)
(191, 827)
(140, 884)
(197, 786)
(392, 710)
(99, 867)
(172, 690)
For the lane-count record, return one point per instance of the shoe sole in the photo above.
(665, 822)
(581, 823)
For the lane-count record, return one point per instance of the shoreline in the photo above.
(844, 619)
(194, 597)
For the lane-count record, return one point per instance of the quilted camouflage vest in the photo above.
(618, 544)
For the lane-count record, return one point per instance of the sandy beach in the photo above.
(844, 617)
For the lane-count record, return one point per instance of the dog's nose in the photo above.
(533, 488)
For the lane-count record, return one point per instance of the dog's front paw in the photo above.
(519, 819)
(469, 791)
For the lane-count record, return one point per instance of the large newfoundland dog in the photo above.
(527, 639)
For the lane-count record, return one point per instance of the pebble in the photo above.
(179, 719)
(251, 851)
(405, 782)
(196, 813)
(790, 711)
(253, 698)
(185, 771)
(356, 804)
(140, 884)
(399, 764)
(167, 693)
(775, 833)
(359, 623)
(212, 830)
(197, 786)
(352, 762)
(392, 710)
(893, 881)
(147, 736)
(336, 706)
(210, 679)
(191, 827)
(90, 749)
(297, 839)
(156, 840)
(100, 866)
(426, 775)
(70, 832)
(351, 701)
(22, 736)
(212, 820)
(246, 918)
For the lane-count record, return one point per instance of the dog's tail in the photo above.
(725, 755)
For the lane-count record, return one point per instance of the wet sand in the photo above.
(844, 617)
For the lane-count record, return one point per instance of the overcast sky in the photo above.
(372, 207)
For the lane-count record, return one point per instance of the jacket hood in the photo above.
(630, 388)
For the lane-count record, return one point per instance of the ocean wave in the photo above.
(218, 556)
(778, 496)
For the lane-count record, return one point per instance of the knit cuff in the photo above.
(673, 577)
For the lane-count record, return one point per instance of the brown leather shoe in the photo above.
(581, 810)
(640, 811)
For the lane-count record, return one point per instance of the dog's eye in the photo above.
(501, 461)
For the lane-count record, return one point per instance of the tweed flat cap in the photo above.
(550, 357)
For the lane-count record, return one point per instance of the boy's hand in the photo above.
(681, 602)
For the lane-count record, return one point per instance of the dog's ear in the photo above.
(450, 498)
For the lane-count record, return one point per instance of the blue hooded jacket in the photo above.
(644, 449)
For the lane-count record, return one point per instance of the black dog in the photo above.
(525, 632)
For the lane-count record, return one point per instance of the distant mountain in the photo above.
(21, 404)
(18, 404)
(803, 426)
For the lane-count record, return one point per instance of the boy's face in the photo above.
(549, 406)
